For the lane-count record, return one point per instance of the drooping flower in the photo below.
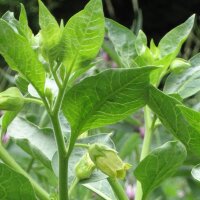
(107, 160)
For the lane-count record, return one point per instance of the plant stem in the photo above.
(7, 159)
(149, 123)
(75, 182)
(117, 188)
(63, 159)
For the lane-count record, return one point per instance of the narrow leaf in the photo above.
(50, 32)
(23, 21)
(83, 36)
(173, 40)
(20, 57)
(159, 165)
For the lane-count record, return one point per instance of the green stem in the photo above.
(7, 159)
(63, 159)
(117, 188)
(73, 185)
(149, 123)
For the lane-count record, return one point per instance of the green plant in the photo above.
(60, 102)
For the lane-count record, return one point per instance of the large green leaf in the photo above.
(105, 98)
(168, 110)
(173, 40)
(186, 83)
(159, 165)
(39, 143)
(123, 41)
(14, 186)
(83, 36)
(50, 32)
(20, 57)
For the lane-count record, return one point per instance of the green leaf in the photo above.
(6, 119)
(50, 33)
(186, 83)
(123, 41)
(196, 172)
(39, 143)
(141, 43)
(102, 188)
(168, 110)
(23, 21)
(20, 57)
(14, 186)
(171, 43)
(105, 98)
(83, 36)
(159, 165)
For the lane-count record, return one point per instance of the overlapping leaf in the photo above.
(159, 165)
(186, 83)
(20, 57)
(14, 185)
(123, 41)
(168, 110)
(39, 143)
(106, 98)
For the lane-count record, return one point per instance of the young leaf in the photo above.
(20, 57)
(186, 83)
(159, 165)
(126, 47)
(14, 185)
(39, 143)
(50, 32)
(173, 40)
(23, 21)
(105, 98)
(169, 113)
(83, 36)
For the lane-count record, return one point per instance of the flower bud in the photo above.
(84, 167)
(179, 64)
(107, 160)
(11, 99)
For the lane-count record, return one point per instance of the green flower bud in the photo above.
(179, 64)
(84, 167)
(107, 160)
(11, 99)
